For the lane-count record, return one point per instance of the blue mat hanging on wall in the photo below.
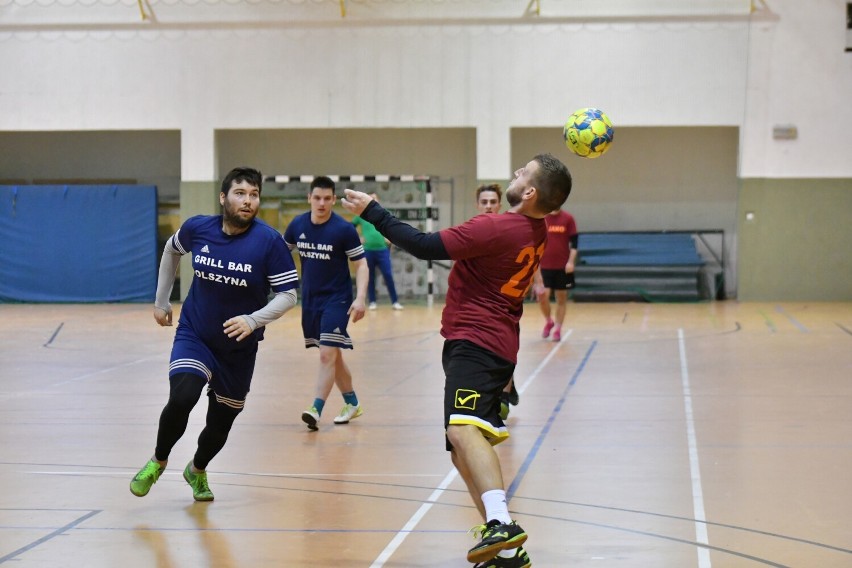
(78, 243)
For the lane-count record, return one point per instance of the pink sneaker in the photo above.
(557, 335)
(545, 333)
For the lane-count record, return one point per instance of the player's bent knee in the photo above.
(459, 435)
(185, 389)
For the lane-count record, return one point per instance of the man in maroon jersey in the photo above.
(488, 198)
(496, 257)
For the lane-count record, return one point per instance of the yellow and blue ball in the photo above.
(588, 133)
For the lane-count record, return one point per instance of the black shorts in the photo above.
(557, 279)
(475, 377)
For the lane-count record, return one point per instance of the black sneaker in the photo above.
(496, 536)
(520, 560)
(514, 397)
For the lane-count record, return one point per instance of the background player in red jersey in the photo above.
(557, 269)
(496, 257)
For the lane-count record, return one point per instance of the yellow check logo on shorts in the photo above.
(466, 399)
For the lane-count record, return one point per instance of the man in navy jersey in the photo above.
(496, 257)
(237, 260)
(327, 243)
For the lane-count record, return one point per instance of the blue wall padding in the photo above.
(78, 243)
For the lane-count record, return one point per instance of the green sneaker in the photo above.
(310, 417)
(348, 413)
(504, 411)
(147, 476)
(198, 482)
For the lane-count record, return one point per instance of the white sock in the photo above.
(496, 506)
(510, 553)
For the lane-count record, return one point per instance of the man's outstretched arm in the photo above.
(427, 246)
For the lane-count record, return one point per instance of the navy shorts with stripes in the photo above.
(327, 326)
(228, 373)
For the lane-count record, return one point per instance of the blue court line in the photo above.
(544, 431)
(781, 311)
(47, 537)
(52, 337)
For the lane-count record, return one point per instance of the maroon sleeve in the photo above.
(470, 239)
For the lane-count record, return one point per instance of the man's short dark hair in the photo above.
(242, 174)
(322, 182)
(553, 182)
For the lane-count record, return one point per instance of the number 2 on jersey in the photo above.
(530, 259)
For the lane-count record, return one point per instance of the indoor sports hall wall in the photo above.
(448, 153)
(144, 157)
(490, 77)
(689, 183)
(794, 237)
(202, 68)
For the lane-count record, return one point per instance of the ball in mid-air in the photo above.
(588, 133)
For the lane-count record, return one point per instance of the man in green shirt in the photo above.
(378, 255)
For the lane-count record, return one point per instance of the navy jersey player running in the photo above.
(237, 260)
(496, 257)
(327, 243)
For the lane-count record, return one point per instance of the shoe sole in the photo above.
(310, 421)
(486, 553)
(337, 421)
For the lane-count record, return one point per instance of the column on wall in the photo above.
(493, 151)
(199, 188)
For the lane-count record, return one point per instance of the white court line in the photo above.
(409, 527)
(694, 468)
(47, 388)
(412, 522)
(544, 363)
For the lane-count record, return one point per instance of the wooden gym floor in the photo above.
(654, 435)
